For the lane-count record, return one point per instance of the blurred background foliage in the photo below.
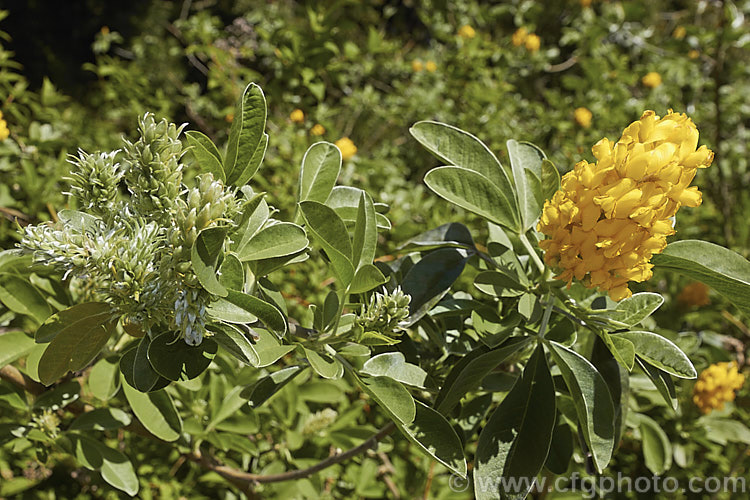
(559, 74)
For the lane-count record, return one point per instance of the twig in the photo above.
(557, 68)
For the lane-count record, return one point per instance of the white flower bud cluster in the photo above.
(316, 422)
(384, 312)
(135, 252)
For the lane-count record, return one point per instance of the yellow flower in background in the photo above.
(430, 66)
(610, 217)
(652, 79)
(347, 147)
(694, 294)
(716, 385)
(694, 54)
(519, 37)
(4, 132)
(297, 116)
(679, 32)
(417, 66)
(318, 129)
(585, 3)
(466, 31)
(583, 117)
(533, 42)
(229, 117)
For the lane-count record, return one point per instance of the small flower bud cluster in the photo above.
(135, 252)
(384, 312)
(318, 421)
(94, 180)
(152, 166)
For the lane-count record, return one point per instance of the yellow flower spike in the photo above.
(430, 66)
(417, 66)
(610, 217)
(466, 31)
(583, 117)
(716, 385)
(297, 116)
(533, 42)
(347, 147)
(651, 80)
(679, 32)
(519, 37)
(694, 54)
(318, 129)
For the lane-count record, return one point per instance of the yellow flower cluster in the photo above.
(531, 41)
(297, 116)
(583, 117)
(4, 132)
(347, 147)
(716, 386)
(466, 31)
(610, 217)
(318, 129)
(417, 66)
(651, 80)
(694, 294)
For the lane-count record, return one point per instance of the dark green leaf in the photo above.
(205, 257)
(266, 387)
(324, 365)
(115, 467)
(453, 234)
(238, 307)
(79, 317)
(366, 278)
(246, 133)
(660, 352)
(175, 360)
(156, 412)
(391, 396)
(22, 297)
(100, 419)
(516, 439)
(365, 233)
(72, 350)
(235, 343)
(104, 380)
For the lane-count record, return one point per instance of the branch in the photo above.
(241, 477)
(14, 376)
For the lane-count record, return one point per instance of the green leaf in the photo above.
(475, 193)
(232, 273)
(230, 406)
(320, 169)
(246, 133)
(104, 380)
(625, 350)
(550, 180)
(592, 399)
(253, 214)
(516, 439)
(636, 308)
(467, 376)
(100, 419)
(723, 430)
(526, 158)
(156, 412)
(453, 234)
(266, 387)
(432, 433)
(175, 360)
(276, 240)
(498, 284)
(115, 467)
(269, 349)
(365, 233)
(330, 232)
(391, 396)
(22, 297)
(366, 278)
(205, 256)
(661, 353)
(344, 200)
(617, 379)
(80, 316)
(251, 168)
(14, 345)
(238, 307)
(430, 279)
(235, 343)
(657, 449)
(206, 154)
(144, 375)
(725, 271)
(58, 397)
(560, 450)
(394, 365)
(73, 349)
(661, 380)
(462, 149)
(324, 365)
